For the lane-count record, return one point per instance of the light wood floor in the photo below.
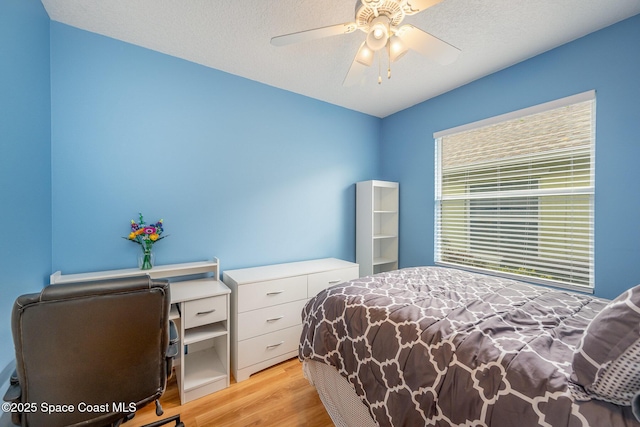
(278, 396)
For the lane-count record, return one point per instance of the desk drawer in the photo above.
(265, 347)
(320, 281)
(260, 322)
(203, 311)
(272, 292)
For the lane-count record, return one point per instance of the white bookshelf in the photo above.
(377, 218)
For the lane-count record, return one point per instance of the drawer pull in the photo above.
(273, 319)
(333, 282)
(201, 313)
(275, 345)
(274, 292)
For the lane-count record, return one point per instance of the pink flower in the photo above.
(149, 230)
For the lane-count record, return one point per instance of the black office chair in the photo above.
(91, 353)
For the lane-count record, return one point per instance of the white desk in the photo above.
(200, 309)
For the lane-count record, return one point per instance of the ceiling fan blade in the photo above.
(420, 5)
(317, 33)
(427, 45)
(362, 60)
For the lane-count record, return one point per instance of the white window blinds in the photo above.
(514, 195)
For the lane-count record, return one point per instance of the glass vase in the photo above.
(146, 259)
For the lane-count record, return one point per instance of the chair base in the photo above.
(165, 421)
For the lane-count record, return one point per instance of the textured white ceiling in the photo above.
(234, 36)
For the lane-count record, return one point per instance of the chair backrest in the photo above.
(86, 352)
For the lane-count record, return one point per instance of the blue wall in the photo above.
(237, 169)
(25, 171)
(607, 61)
(249, 173)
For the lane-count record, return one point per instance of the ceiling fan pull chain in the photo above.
(389, 59)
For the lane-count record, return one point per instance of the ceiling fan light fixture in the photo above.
(365, 55)
(397, 48)
(378, 33)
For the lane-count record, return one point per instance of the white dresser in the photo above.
(266, 307)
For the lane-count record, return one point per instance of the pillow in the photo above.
(606, 364)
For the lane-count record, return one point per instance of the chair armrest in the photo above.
(13, 395)
(174, 346)
(14, 392)
(172, 351)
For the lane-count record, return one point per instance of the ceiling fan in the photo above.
(380, 20)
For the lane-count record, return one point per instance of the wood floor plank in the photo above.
(278, 396)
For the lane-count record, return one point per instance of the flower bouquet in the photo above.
(145, 235)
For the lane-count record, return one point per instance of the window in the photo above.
(514, 194)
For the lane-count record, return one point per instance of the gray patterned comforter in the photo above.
(444, 347)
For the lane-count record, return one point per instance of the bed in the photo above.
(446, 347)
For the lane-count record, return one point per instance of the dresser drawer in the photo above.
(265, 347)
(272, 292)
(320, 281)
(265, 320)
(203, 311)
